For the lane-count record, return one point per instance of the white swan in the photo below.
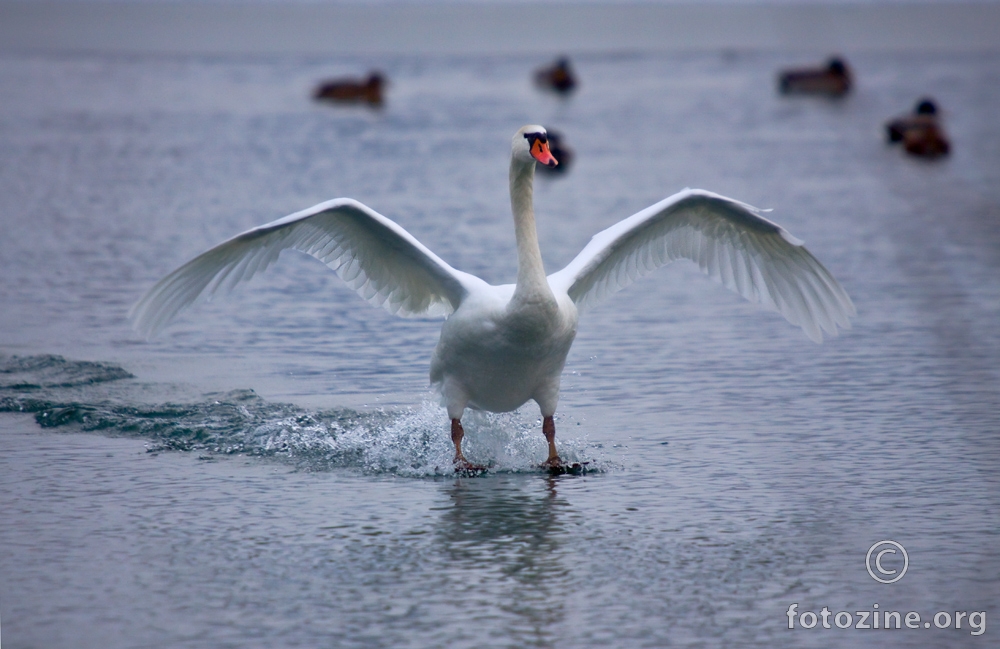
(502, 346)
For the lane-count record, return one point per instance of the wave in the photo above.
(414, 441)
(47, 371)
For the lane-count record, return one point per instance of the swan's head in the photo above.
(532, 143)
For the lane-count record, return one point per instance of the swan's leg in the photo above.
(456, 400)
(549, 430)
(457, 433)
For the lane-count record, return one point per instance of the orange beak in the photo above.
(540, 151)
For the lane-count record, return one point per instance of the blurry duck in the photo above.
(920, 132)
(502, 346)
(560, 151)
(558, 77)
(833, 80)
(352, 90)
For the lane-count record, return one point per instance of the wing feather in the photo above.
(372, 254)
(730, 241)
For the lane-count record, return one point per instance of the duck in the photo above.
(920, 132)
(352, 90)
(558, 77)
(502, 346)
(834, 79)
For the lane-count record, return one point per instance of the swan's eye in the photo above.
(535, 137)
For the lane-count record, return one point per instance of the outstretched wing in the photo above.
(730, 241)
(376, 257)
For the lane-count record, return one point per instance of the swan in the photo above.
(502, 346)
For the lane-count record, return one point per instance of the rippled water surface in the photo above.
(273, 470)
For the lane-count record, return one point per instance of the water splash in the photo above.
(408, 442)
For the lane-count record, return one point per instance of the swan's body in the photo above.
(496, 352)
(502, 346)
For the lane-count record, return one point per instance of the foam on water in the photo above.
(409, 442)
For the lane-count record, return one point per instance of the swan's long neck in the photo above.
(531, 282)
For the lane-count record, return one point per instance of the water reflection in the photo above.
(507, 532)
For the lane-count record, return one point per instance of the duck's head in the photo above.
(531, 143)
(926, 106)
(836, 65)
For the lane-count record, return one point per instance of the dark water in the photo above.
(272, 470)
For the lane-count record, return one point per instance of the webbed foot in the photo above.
(555, 466)
(466, 468)
(551, 463)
